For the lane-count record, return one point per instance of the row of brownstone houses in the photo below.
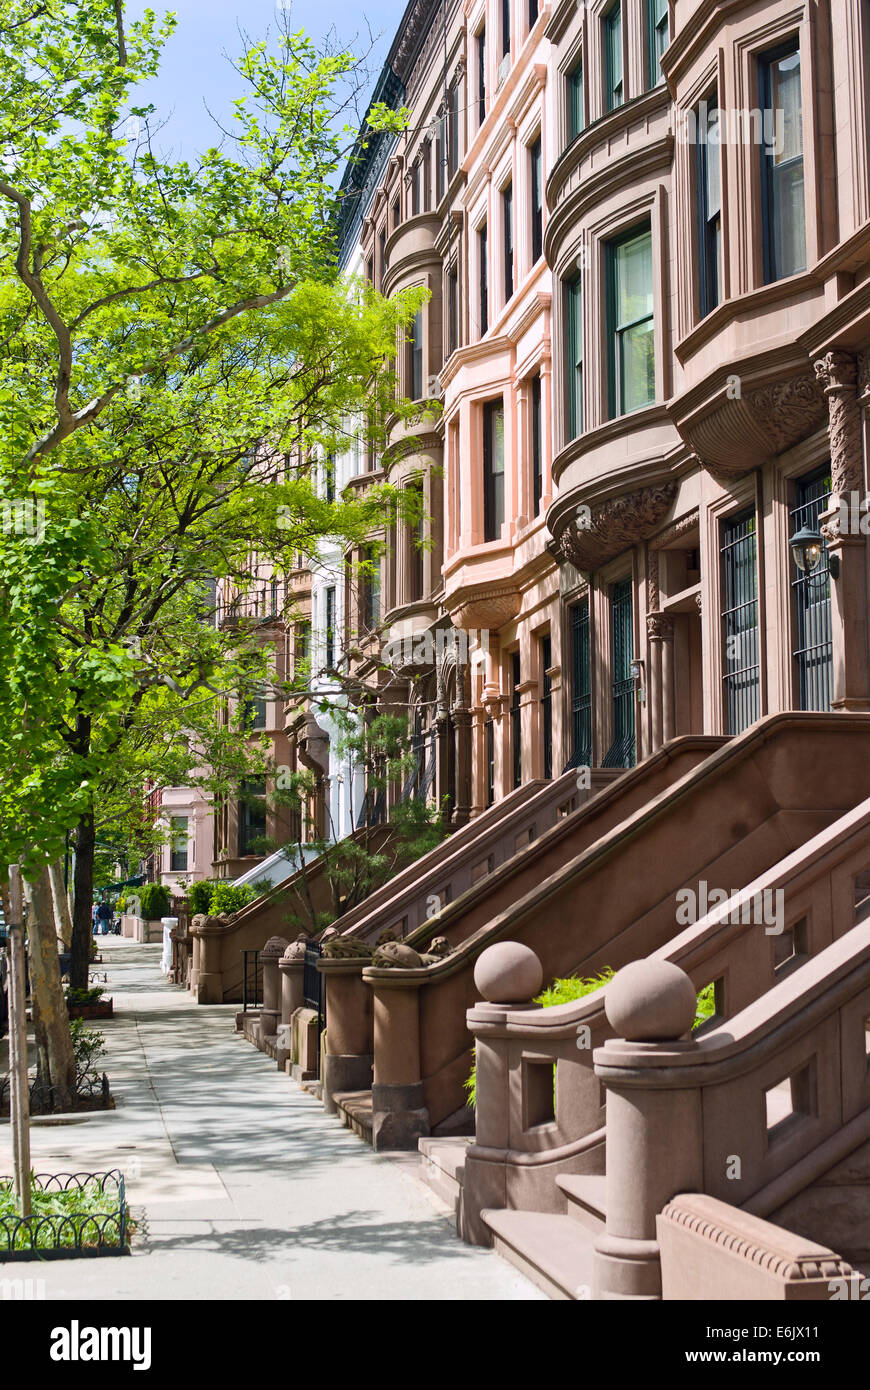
(631, 633)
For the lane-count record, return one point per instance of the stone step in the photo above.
(442, 1166)
(554, 1252)
(586, 1199)
(355, 1111)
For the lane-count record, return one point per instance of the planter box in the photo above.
(72, 1236)
(138, 929)
(104, 1008)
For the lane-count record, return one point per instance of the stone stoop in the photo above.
(354, 1109)
(442, 1166)
(554, 1252)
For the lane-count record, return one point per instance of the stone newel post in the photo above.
(290, 967)
(270, 1014)
(508, 975)
(349, 1053)
(654, 1136)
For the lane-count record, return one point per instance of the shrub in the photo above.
(199, 895)
(154, 901)
(85, 996)
(88, 1046)
(228, 897)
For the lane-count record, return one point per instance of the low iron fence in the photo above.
(74, 1214)
(91, 1093)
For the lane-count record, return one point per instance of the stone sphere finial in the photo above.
(651, 1001)
(274, 948)
(508, 973)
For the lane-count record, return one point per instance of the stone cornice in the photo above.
(616, 524)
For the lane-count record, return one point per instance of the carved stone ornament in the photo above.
(838, 373)
(488, 608)
(615, 525)
(659, 626)
(395, 955)
(346, 948)
(438, 950)
(295, 951)
(787, 411)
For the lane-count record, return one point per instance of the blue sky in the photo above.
(194, 70)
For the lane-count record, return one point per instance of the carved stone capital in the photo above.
(659, 627)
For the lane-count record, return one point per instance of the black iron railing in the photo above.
(61, 1234)
(812, 596)
(252, 980)
(314, 985)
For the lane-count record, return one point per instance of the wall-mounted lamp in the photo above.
(808, 550)
(636, 669)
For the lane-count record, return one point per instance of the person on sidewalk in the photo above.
(104, 917)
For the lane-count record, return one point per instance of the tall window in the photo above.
(537, 171)
(507, 211)
(534, 11)
(415, 188)
(178, 845)
(658, 26)
(740, 638)
(576, 114)
(329, 478)
(382, 254)
(782, 155)
(581, 687)
(546, 659)
(490, 761)
(537, 446)
(574, 323)
(330, 627)
(441, 159)
(254, 712)
(813, 654)
(252, 816)
(371, 590)
(415, 357)
(614, 95)
(622, 750)
(505, 27)
(453, 128)
(483, 268)
(709, 206)
(630, 292)
(493, 470)
(516, 721)
(452, 311)
(481, 77)
(416, 547)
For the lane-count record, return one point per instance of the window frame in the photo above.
(615, 378)
(494, 509)
(612, 24)
(765, 62)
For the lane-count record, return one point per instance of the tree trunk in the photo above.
(83, 899)
(48, 991)
(62, 918)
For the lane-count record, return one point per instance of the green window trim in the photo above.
(615, 95)
(659, 36)
(576, 110)
(574, 324)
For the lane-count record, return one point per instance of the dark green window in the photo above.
(658, 25)
(782, 154)
(483, 255)
(740, 637)
(252, 816)
(630, 300)
(537, 170)
(622, 750)
(547, 704)
(709, 206)
(581, 687)
(576, 113)
(574, 323)
(813, 655)
(615, 93)
(493, 470)
(537, 446)
(507, 208)
(516, 721)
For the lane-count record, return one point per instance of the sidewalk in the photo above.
(243, 1187)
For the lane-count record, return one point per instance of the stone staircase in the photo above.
(794, 1047)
